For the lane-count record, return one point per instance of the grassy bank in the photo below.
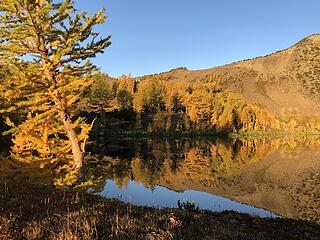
(174, 134)
(38, 213)
(208, 134)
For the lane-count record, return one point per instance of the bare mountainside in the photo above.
(286, 82)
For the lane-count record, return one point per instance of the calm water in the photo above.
(280, 175)
(138, 194)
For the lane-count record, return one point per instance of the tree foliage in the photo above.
(102, 93)
(165, 106)
(150, 96)
(46, 45)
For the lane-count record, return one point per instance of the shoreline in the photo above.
(36, 212)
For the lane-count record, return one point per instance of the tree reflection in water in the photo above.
(244, 170)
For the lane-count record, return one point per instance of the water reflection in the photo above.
(267, 173)
(137, 194)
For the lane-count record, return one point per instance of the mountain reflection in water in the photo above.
(138, 194)
(278, 174)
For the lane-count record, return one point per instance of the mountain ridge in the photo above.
(286, 82)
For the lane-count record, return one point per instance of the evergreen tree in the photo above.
(46, 45)
(150, 97)
(102, 93)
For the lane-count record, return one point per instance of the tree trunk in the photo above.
(75, 146)
(76, 151)
(51, 77)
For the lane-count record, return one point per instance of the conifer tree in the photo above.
(46, 45)
(102, 94)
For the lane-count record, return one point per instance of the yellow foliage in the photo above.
(9, 122)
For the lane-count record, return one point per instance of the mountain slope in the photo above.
(286, 82)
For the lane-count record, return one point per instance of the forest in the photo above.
(155, 105)
(150, 106)
(55, 101)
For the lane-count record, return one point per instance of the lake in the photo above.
(266, 177)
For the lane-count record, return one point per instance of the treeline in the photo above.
(156, 105)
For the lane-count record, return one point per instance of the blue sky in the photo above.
(150, 36)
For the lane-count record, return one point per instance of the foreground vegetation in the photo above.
(30, 212)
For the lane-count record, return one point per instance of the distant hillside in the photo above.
(286, 82)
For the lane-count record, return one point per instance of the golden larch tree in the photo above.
(46, 46)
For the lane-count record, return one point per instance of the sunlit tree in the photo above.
(151, 96)
(46, 45)
(102, 93)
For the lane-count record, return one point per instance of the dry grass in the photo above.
(38, 213)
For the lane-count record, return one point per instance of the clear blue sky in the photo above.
(150, 36)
